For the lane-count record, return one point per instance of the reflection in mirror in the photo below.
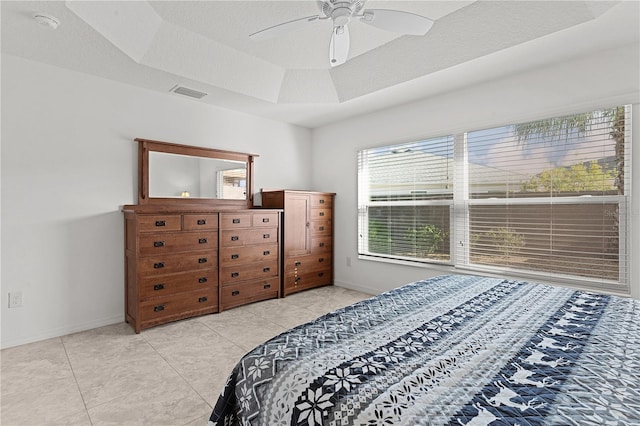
(174, 176)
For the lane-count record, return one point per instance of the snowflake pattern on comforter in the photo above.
(451, 350)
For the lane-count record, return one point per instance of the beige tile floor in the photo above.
(167, 375)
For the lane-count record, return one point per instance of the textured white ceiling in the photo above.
(204, 45)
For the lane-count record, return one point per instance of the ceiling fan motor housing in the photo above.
(341, 11)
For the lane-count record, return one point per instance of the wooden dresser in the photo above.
(171, 264)
(307, 248)
(194, 244)
(249, 256)
(176, 257)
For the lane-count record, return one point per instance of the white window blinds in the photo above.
(549, 196)
(405, 195)
(546, 198)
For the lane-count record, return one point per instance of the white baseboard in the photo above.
(62, 331)
(356, 287)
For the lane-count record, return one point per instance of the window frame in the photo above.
(459, 221)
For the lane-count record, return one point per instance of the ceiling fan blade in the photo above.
(339, 46)
(284, 28)
(397, 21)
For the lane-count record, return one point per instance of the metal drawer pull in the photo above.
(235, 292)
(158, 308)
(266, 286)
(297, 263)
(321, 201)
(202, 260)
(235, 256)
(267, 269)
(202, 280)
(158, 243)
(265, 220)
(235, 274)
(321, 228)
(202, 299)
(321, 244)
(202, 241)
(297, 279)
(321, 213)
(320, 274)
(266, 253)
(266, 236)
(321, 259)
(158, 265)
(202, 221)
(158, 287)
(161, 223)
(235, 238)
(236, 221)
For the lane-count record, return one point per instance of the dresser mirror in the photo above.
(171, 173)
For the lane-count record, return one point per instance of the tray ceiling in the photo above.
(204, 45)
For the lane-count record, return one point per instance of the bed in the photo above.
(450, 350)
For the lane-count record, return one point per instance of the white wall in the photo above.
(68, 165)
(601, 80)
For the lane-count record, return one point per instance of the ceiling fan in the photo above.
(341, 12)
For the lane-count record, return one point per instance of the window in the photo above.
(232, 184)
(547, 197)
(405, 198)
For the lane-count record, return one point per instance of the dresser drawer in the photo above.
(320, 228)
(265, 219)
(235, 220)
(320, 245)
(158, 243)
(199, 222)
(308, 263)
(177, 283)
(321, 214)
(319, 200)
(180, 306)
(306, 280)
(241, 237)
(239, 294)
(172, 263)
(159, 223)
(257, 270)
(248, 254)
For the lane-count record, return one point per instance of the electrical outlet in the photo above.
(15, 299)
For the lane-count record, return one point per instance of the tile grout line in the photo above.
(75, 379)
(180, 375)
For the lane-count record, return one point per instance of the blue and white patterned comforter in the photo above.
(452, 350)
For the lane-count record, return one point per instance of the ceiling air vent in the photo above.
(188, 92)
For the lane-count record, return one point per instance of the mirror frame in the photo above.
(146, 145)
